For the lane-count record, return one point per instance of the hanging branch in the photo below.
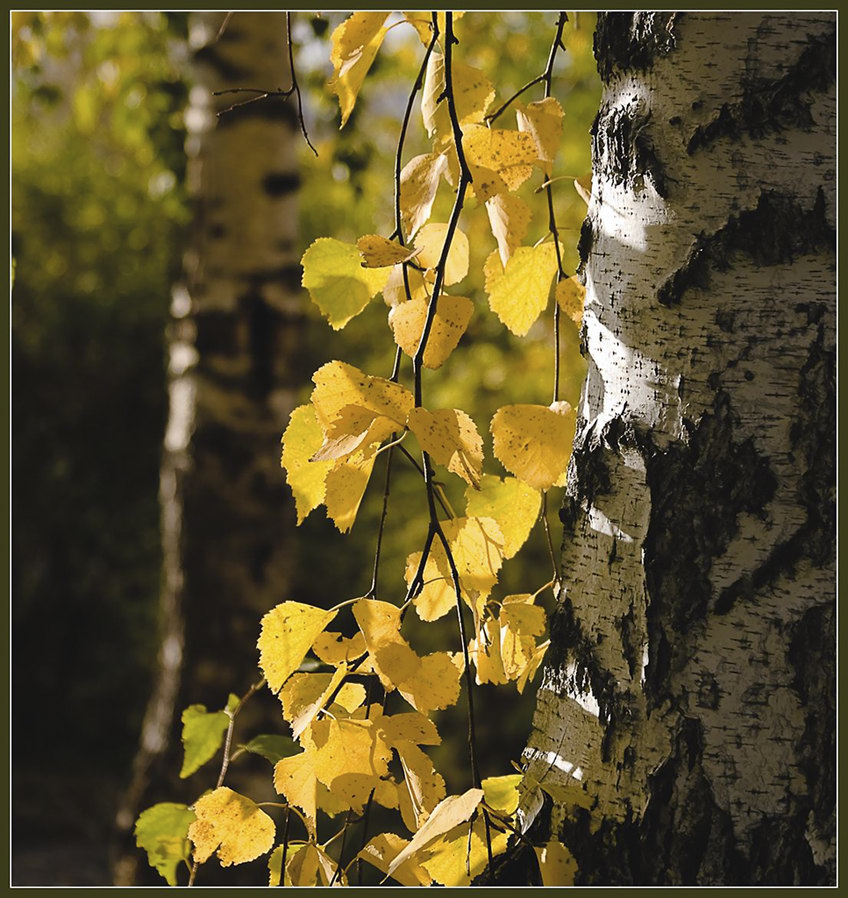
(264, 94)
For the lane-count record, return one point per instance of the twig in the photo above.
(504, 106)
(546, 526)
(285, 848)
(223, 27)
(342, 848)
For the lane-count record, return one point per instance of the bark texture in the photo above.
(233, 348)
(688, 700)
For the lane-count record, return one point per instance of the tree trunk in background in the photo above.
(235, 328)
(689, 691)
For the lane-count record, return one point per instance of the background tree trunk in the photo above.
(688, 697)
(233, 337)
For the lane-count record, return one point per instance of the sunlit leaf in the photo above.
(337, 282)
(202, 735)
(534, 441)
(345, 487)
(288, 632)
(162, 831)
(518, 292)
(472, 90)
(422, 788)
(435, 683)
(302, 439)
(509, 217)
(501, 792)
(509, 153)
(542, 120)
(378, 252)
(451, 439)
(419, 181)
(512, 503)
(355, 44)
(305, 694)
(381, 851)
(570, 294)
(556, 864)
(333, 648)
(395, 292)
(450, 858)
(430, 241)
(409, 726)
(231, 824)
(449, 324)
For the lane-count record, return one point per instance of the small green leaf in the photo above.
(337, 282)
(162, 831)
(271, 747)
(203, 733)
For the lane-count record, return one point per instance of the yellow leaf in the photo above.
(450, 812)
(522, 616)
(448, 859)
(451, 438)
(570, 294)
(422, 22)
(542, 120)
(379, 622)
(509, 153)
(394, 292)
(288, 632)
(583, 186)
(419, 182)
(437, 596)
(295, 780)
(378, 252)
(511, 503)
(556, 864)
(518, 292)
(380, 852)
(422, 789)
(232, 824)
(534, 441)
(449, 323)
(430, 241)
(333, 648)
(352, 428)
(345, 487)
(501, 792)
(410, 726)
(486, 182)
(485, 651)
(472, 90)
(337, 282)
(303, 437)
(304, 695)
(338, 385)
(477, 548)
(533, 665)
(355, 44)
(509, 217)
(434, 685)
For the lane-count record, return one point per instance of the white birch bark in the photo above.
(689, 693)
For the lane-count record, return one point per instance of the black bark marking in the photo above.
(631, 41)
(624, 152)
(697, 492)
(813, 435)
(585, 244)
(277, 184)
(775, 105)
(776, 231)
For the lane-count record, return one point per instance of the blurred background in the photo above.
(126, 243)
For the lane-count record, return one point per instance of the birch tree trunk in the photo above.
(232, 370)
(686, 712)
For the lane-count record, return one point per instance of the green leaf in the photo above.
(203, 733)
(337, 282)
(271, 747)
(162, 831)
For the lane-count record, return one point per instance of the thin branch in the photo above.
(341, 848)
(285, 848)
(223, 27)
(544, 516)
(294, 85)
(504, 106)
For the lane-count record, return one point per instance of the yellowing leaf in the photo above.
(422, 22)
(378, 252)
(410, 726)
(451, 438)
(542, 120)
(305, 694)
(355, 44)
(486, 182)
(450, 812)
(430, 241)
(570, 294)
(518, 292)
(449, 323)
(509, 217)
(522, 616)
(509, 153)
(379, 622)
(232, 824)
(583, 186)
(485, 651)
(380, 852)
(339, 385)
(419, 182)
(437, 596)
(532, 665)
(511, 503)
(472, 90)
(202, 736)
(435, 683)
(422, 789)
(556, 864)
(307, 864)
(501, 792)
(288, 632)
(395, 290)
(345, 487)
(353, 426)
(302, 439)
(333, 648)
(162, 831)
(534, 441)
(448, 859)
(337, 282)
(477, 548)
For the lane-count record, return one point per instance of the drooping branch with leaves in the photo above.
(354, 753)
